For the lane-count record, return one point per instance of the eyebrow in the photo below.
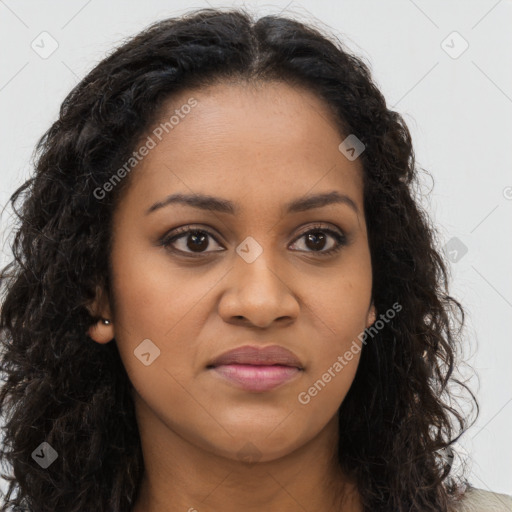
(217, 204)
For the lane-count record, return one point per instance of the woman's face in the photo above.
(250, 276)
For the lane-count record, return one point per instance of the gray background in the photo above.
(458, 108)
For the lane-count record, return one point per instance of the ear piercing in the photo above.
(106, 321)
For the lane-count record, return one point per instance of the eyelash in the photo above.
(178, 233)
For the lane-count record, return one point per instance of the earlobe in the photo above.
(102, 331)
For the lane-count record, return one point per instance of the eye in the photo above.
(317, 238)
(189, 240)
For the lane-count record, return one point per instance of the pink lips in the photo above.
(257, 369)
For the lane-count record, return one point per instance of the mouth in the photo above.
(257, 369)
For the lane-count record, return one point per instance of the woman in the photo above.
(223, 294)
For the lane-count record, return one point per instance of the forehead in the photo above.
(266, 142)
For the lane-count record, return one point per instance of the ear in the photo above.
(372, 315)
(100, 307)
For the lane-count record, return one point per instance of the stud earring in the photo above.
(106, 321)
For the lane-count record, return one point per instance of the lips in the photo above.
(256, 356)
(255, 369)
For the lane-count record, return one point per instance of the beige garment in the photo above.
(478, 500)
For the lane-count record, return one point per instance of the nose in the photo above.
(258, 294)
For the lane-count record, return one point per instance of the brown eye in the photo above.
(316, 240)
(188, 240)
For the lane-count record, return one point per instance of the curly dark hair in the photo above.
(399, 415)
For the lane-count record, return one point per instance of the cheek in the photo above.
(155, 303)
(335, 359)
(154, 296)
(166, 309)
(339, 312)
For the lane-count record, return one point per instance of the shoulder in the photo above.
(478, 500)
